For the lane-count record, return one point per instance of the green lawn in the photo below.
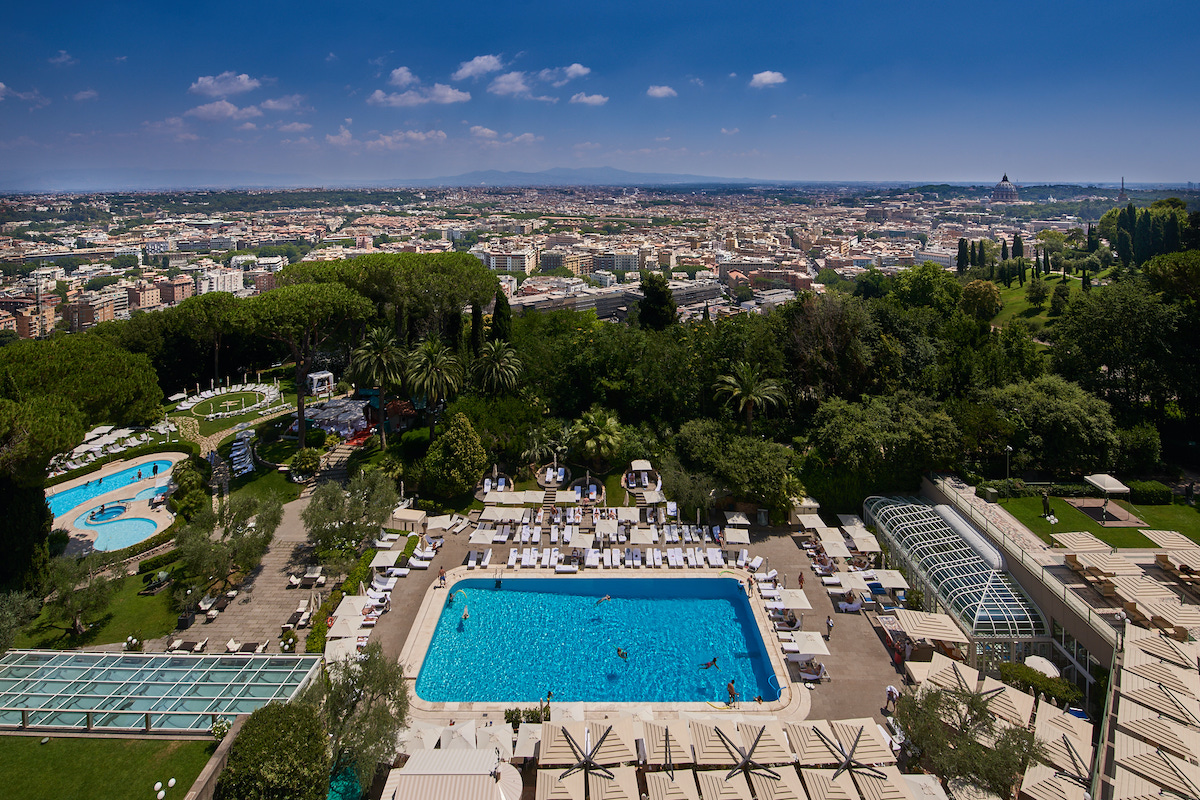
(1015, 306)
(98, 769)
(129, 613)
(1178, 517)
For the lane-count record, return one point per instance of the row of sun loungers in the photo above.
(181, 646)
(240, 456)
(609, 558)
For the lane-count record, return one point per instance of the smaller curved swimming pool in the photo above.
(62, 502)
(113, 529)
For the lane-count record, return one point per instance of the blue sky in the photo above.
(798, 90)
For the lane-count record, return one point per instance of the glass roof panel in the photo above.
(987, 601)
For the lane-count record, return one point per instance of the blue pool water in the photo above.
(62, 502)
(537, 635)
(119, 532)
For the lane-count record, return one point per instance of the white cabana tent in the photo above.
(736, 536)
(1107, 484)
(923, 625)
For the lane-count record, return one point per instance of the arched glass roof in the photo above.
(977, 590)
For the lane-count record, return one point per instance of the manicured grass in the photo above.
(150, 617)
(1178, 517)
(264, 483)
(209, 427)
(1015, 306)
(98, 769)
(614, 491)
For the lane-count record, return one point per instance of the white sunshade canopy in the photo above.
(737, 536)
(835, 548)
(640, 465)
(737, 518)
(1107, 484)
(923, 625)
(795, 599)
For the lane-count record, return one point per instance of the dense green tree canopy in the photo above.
(281, 753)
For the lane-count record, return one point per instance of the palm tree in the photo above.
(435, 373)
(497, 368)
(379, 361)
(749, 390)
(597, 435)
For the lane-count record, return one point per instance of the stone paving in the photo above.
(264, 603)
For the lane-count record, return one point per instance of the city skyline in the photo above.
(284, 94)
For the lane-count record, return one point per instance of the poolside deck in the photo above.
(82, 539)
(859, 662)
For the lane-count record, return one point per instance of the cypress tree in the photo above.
(1045, 261)
(1157, 235)
(1004, 249)
(1124, 247)
(974, 256)
(476, 329)
(501, 318)
(1143, 239)
(1018, 250)
(1172, 234)
(963, 256)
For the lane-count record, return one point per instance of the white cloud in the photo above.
(762, 80)
(479, 65)
(662, 138)
(589, 99)
(86, 94)
(225, 84)
(289, 102)
(729, 131)
(171, 126)
(510, 83)
(294, 127)
(661, 91)
(482, 132)
(63, 59)
(439, 93)
(247, 126)
(587, 146)
(560, 76)
(402, 76)
(397, 140)
(698, 82)
(222, 109)
(5, 91)
(332, 57)
(120, 59)
(343, 138)
(525, 138)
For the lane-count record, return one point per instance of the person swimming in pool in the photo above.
(603, 599)
(710, 664)
(466, 613)
(623, 655)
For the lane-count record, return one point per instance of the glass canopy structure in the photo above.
(142, 691)
(962, 568)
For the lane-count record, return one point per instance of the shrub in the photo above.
(1030, 680)
(315, 641)
(155, 563)
(512, 716)
(1149, 493)
(58, 541)
(280, 752)
(306, 462)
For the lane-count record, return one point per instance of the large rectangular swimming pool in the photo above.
(526, 637)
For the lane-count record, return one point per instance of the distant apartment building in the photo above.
(942, 258)
(272, 263)
(143, 296)
(88, 311)
(219, 280)
(575, 263)
(264, 282)
(8, 322)
(172, 291)
(118, 297)
(523, 260)
(34, 321)
(156, 247)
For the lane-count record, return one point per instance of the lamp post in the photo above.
(1007, 453)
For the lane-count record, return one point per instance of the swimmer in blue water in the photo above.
(623, 655)
(710, 664)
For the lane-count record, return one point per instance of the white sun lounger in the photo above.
(771, 594)
(616, 557)
(528, 558)
(553, 534)
(396, 572)
(658, 558)
(487, 558)
(471, 559)
(591, 558)
(691, 557)
(755, 564)
(715, 557)
(545, 557)
(416, 563)
(607, 558)
(487, 485)
(679, 559)
(770, 576)
(743, 558)
(383, 584)
(512, 557)
(637, 557)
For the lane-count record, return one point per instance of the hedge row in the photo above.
(155, 563)
(314, 642)
(1149, 493)
(134, 452)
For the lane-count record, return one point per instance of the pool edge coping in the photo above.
(138, 508)
(791, 703)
